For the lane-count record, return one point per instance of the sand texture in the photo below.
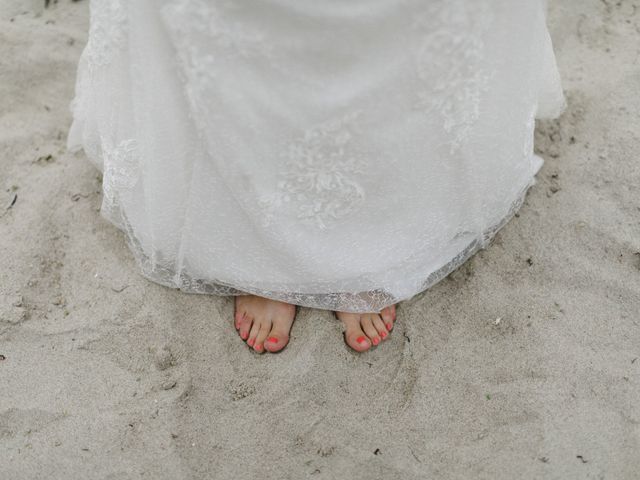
(524, 363)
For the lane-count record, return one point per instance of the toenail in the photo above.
(258, 348)
(361, 339)
(383, 334)
(244, 335)
(389, 326)
(376, 340)
(272, 340)
(250, 342)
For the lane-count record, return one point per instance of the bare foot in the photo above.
(365, 329)
(263, 323)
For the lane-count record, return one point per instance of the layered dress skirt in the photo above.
(337, 154)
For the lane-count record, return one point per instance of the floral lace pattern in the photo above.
(450, 63)
(319, 177)
(204, 37)
(120, 173)
(108, 32)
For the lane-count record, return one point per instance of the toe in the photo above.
(353, 334)
(265, 327)
(238, 319)
(255, 328)
(245, 326)
(276, 340)
(367, 325)
(240, 312)
(279, 334)
(380, 327)
(388, 315)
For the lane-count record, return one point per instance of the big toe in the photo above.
(355, 337)
(276, 341)
(278, 337)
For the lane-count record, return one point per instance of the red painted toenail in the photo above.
(250, 342)
(361, 339)
(376, 340)
(389, 326)
(272, 340)
(244, 335)
(383, 334)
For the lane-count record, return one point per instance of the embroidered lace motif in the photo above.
(319, 176)
(204, 37)
(120, 174)
(107, 34)
(450, 63)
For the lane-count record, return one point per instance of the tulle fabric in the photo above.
(338, 155)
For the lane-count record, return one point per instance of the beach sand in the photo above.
(524, 363)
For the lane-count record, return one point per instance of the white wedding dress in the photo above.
(338, 154)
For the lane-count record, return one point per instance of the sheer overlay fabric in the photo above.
(335, 154)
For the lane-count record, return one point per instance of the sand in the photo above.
(524, 363)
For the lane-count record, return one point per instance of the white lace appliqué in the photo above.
(204, 38)
(450, 63)
(319, 175)
(120, 174)
(108, 32)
